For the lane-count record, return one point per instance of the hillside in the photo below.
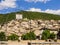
(30, 15)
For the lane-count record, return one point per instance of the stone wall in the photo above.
(25, 42)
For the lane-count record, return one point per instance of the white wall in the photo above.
(19, 16)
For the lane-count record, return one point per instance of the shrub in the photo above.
(52, 36)
(2, 36)
(45, 35)
(29, 36)
(13, 37)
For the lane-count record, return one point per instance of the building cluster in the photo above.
(20, 27)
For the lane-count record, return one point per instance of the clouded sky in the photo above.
(48, 6)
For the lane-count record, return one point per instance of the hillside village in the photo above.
(29, 22)
(21, 26)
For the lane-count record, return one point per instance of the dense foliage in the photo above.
(2, 36)
(47, 35)
(39, 15)
(29, 36)
(29, 15)
(52, 36)
(13, 37)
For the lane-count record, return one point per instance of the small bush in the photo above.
(52, 36)
(2, 36)
(13, 37)
(45, 35)
(29, 36)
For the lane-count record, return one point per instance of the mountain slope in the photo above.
(31, 15)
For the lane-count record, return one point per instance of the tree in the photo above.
(45, 35)
(29, 36)
(52, 36)
(2, 36)
(13, 37)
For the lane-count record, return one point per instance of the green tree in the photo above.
(45, 35)
(29, 36)
(2, 36)
(52, 36)
(13, 37)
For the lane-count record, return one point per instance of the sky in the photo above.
(46, 6)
